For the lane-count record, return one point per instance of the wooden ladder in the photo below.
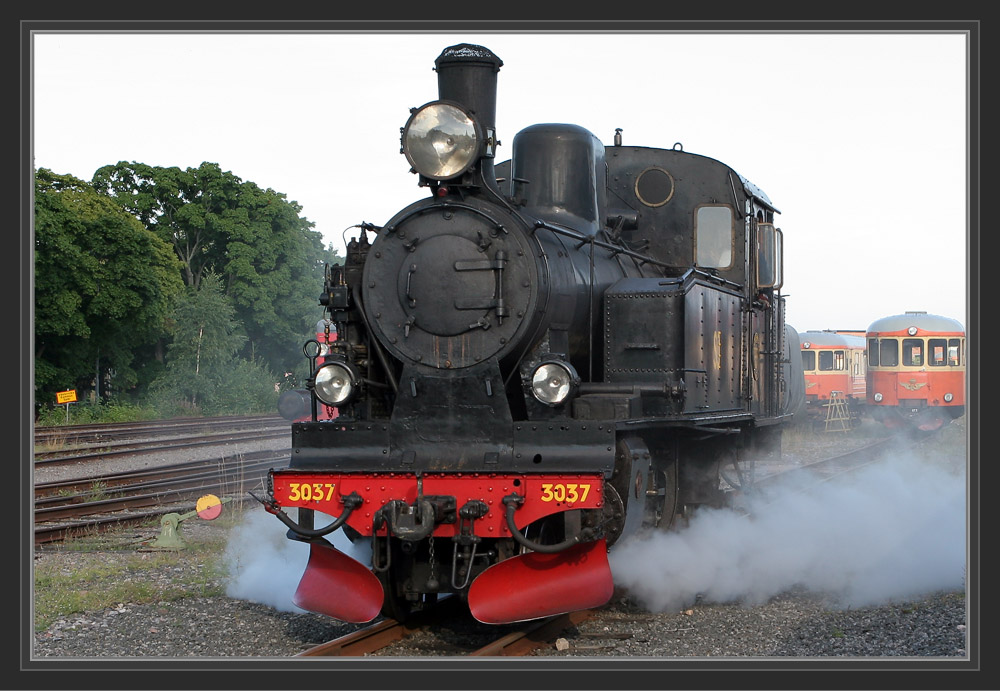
(838, 417)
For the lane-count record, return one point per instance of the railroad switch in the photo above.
(170, 539)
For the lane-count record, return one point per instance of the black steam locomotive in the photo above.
(534, 361)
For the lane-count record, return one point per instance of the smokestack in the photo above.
(467, 74)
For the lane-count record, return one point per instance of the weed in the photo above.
(97, 491)
(126, 578)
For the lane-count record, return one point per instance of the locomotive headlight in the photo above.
(552, 382)
(335, 383)
(948, 397)
(878, 398)
(441, 140)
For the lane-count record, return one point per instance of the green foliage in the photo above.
(269, 258)
(87, 414)
(203, 372)
(103, 286)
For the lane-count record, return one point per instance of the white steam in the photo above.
(265, 566)
(894, 530)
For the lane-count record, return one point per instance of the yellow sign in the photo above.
(66, 396)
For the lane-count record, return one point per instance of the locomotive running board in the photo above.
(338, 586)
(535, 585)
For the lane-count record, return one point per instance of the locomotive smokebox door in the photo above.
(449, 287)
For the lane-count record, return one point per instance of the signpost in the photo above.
(65, 398)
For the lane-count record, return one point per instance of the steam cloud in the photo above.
(265, 566)
(894, 530)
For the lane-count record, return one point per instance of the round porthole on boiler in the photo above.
(654, 186)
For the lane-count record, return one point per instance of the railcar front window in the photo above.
(808, 360)
(831, 360)
(713, 237)
(888, 352)
(873, 352)
(913, 352)
(953, 351)
(936, 348)
(825, 361)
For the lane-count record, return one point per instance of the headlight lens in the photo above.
(441, 141)
(334, 383)
(948, 397)
(552, 382)
(878, 397)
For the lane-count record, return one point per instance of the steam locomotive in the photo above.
(535, 360)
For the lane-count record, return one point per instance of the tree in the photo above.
(104, 285)
(203, 371)
(268, 257)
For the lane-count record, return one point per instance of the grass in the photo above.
(119, 574)
(88, 413)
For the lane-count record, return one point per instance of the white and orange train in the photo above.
(905, 370)
(833, 363)
(916, 370)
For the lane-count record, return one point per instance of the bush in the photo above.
(241, 388)
(85, 413)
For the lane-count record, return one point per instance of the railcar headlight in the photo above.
(948, 397)
(878, 398)
(553, 381)
(441, 140)
(335, 383)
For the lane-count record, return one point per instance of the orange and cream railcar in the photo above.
(916, 370)
(833, 362)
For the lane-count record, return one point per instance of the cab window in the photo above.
(873, 352)
(936, 352)
(953, 352)
(913, 352)
(831, 360)
(767, 271)
(888, 352)
(808, 360)
(713, 237)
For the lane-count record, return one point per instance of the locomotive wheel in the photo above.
(739, 473)
(664, 500)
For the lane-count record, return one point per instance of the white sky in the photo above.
(860, 139)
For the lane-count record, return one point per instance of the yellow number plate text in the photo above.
(314, 491)
(569, 493)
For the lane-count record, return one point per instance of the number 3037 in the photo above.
(570, 493)
(310, 492)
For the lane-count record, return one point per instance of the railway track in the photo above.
(520, 641)
(104, 445)
(87, 507)
(101, 501)
(91, 434)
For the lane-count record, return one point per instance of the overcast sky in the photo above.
(859, 139)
